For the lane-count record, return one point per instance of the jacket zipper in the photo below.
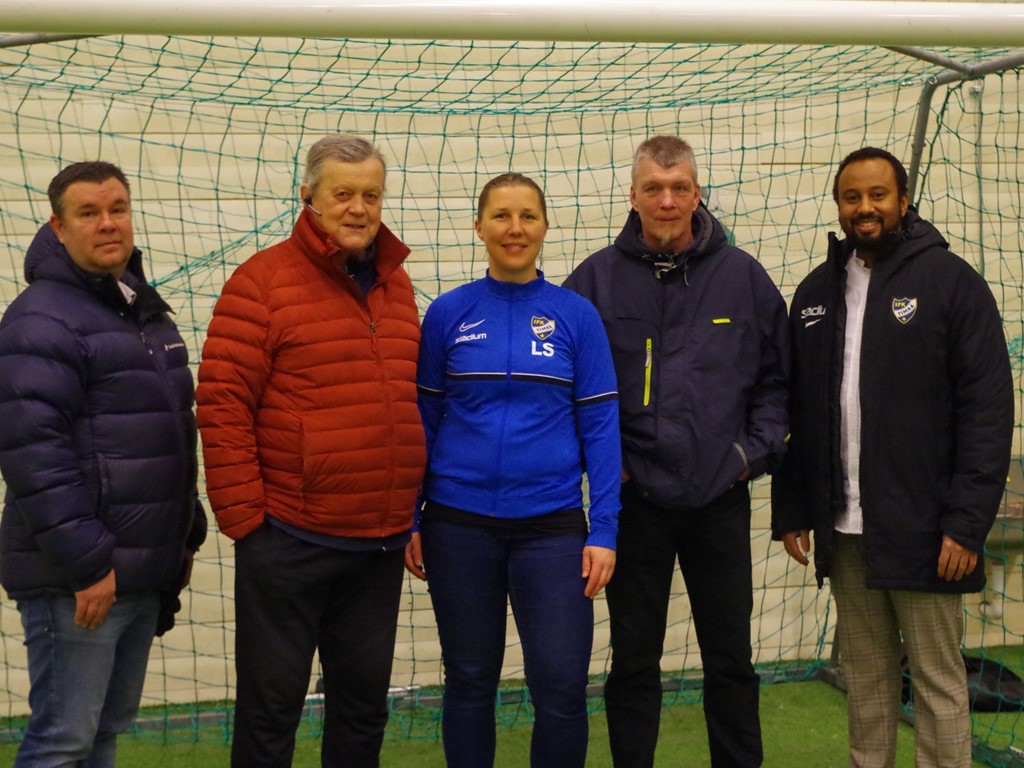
(647, 372)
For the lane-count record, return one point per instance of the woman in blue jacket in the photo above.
(517, 393)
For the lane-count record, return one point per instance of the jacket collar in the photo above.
(321, 249)
(708, 237)
(514, 290)
(48, 259)
(916, 236)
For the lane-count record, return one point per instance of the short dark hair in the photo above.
(95, 171)
(872, 153)
(510, 180)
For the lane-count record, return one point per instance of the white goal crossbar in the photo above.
(839, 22)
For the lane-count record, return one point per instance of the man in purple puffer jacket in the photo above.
(98, 451)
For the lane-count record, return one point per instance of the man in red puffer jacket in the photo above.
(314, 455)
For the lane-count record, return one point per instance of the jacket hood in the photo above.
(48, 259)
(916, 236)
(708, 237)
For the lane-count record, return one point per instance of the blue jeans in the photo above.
(85, 683)
(472, 572)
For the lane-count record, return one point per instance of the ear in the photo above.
(476, 226)
(903, 205)
(632, 196)
(305, 193)
(55, 225)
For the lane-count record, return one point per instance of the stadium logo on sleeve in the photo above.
(904, 309)
(542, 327)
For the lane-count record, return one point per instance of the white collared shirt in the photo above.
(128, 293)
(851, 520)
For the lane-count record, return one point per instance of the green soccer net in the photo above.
(212, 134)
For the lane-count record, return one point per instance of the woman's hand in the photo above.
(598, 567)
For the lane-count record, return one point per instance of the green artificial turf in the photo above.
(804, 724)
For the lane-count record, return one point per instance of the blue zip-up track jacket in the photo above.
(514, 380)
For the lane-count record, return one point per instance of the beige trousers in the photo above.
(871, 623)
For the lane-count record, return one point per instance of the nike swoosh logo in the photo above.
(809, 323)
(467, 326)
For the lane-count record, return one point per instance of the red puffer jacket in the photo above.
(307, 392)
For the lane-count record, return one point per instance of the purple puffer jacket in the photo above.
(97, 434)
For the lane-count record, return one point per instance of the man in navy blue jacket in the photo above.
(699, 339)
(98, 451)
(902, 419)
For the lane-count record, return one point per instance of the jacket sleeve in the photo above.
(42, 392)
(791, 510)
(430, 373)
(430, 390)
(983, 401)
(234, 371)
(197, 535)
(597, 417)
(767, 416)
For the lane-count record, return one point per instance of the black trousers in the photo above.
(291, 598)
(712, 545)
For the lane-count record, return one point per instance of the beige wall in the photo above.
(213, 149)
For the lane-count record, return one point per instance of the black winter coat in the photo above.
(937, 405)
(97, 434)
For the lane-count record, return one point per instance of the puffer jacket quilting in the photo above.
(307, 392)
(98, 438)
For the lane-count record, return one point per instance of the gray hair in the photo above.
(666, 151)
(343, 147)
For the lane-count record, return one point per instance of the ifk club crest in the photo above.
(542, 327)
(904, 309)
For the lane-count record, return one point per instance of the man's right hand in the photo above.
(92, 604)
(414, 557)
(798, 544)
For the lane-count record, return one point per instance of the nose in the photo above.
(864, 205)
(358, 205)
(515, 224)
(106, 220)
(668, 199)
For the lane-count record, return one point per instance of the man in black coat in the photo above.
(901, 418)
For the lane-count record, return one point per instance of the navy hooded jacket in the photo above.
(97, 434)
(701, 352)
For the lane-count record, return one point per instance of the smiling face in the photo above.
(512, 227)
(871, 208)
(95, 226)
(665, 198)
(347, 203)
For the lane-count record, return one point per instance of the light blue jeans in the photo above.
(86, 684)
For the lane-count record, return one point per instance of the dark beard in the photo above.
(882, 245)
